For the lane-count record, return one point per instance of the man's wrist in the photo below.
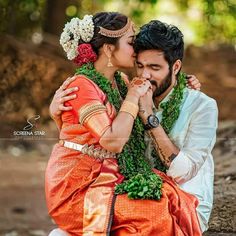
(152, 122)
(144, 114)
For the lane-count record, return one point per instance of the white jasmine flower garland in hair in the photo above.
(75, 30)
(70, 38)
(86, 28)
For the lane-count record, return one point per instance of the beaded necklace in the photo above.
(140, 181)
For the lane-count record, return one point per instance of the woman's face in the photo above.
(123, 56)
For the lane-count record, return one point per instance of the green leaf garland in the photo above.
(140, 181)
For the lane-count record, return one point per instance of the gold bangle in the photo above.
(130, 108)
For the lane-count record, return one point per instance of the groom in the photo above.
(186, 150)
(183, 130)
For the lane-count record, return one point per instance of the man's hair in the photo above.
(161, 36)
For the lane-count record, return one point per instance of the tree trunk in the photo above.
(55, 15)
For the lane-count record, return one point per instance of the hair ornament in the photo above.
(115, 33)
(75, 30)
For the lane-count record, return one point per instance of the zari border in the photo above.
(100, 199)
(89, 109)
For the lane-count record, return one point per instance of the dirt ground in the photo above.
(22, 203)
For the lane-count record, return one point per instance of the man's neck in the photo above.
(158, 99)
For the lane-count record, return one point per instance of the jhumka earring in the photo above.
(109, 64)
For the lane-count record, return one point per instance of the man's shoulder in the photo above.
(199, 100)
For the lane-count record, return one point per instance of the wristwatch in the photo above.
(152, 122)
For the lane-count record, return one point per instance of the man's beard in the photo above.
(160, 89)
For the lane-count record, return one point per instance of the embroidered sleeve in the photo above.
(88, 107)
(94, 116)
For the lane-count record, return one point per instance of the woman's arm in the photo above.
(90, 111)
(193, 82)
(114, 134)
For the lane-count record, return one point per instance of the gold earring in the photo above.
(109, 64)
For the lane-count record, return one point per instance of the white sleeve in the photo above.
(200, 139)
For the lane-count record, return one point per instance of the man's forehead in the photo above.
(150, 55)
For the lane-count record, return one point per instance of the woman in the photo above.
(83, 174)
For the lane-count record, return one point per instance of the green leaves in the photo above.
(141, 182)
(142, 186)
(171, 108)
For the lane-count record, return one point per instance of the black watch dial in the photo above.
(153, 121)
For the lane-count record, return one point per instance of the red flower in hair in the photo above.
(86, 54)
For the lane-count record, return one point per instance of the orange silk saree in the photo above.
(80, 188)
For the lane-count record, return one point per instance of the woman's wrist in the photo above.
(130, 107)
(133, 96)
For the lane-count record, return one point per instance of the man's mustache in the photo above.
(153, 82)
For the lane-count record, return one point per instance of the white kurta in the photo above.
(194, 133)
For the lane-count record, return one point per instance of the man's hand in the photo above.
(146, 105)
(61, 96)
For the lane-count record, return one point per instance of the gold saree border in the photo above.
(100, 199)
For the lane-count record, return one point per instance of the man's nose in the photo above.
(146, 74)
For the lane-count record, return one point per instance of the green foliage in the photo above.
(21, 17)
(140, 182)
(138, 9)
(171, 108)
(141, 187)
(218, 20)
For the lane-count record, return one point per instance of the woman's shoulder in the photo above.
(82, 81)
(87, 87)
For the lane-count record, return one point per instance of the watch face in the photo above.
(153, 121)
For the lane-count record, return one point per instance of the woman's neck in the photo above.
(108, 72)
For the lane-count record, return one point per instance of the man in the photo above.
(186, 150)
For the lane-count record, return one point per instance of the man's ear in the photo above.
(108, 49)
(177, 66)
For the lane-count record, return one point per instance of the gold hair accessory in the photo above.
(130, 108)
(115, 33)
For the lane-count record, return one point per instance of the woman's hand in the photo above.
(139, 86)
(193, 82)
(61, 96)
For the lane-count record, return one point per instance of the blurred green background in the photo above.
(202, 21)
